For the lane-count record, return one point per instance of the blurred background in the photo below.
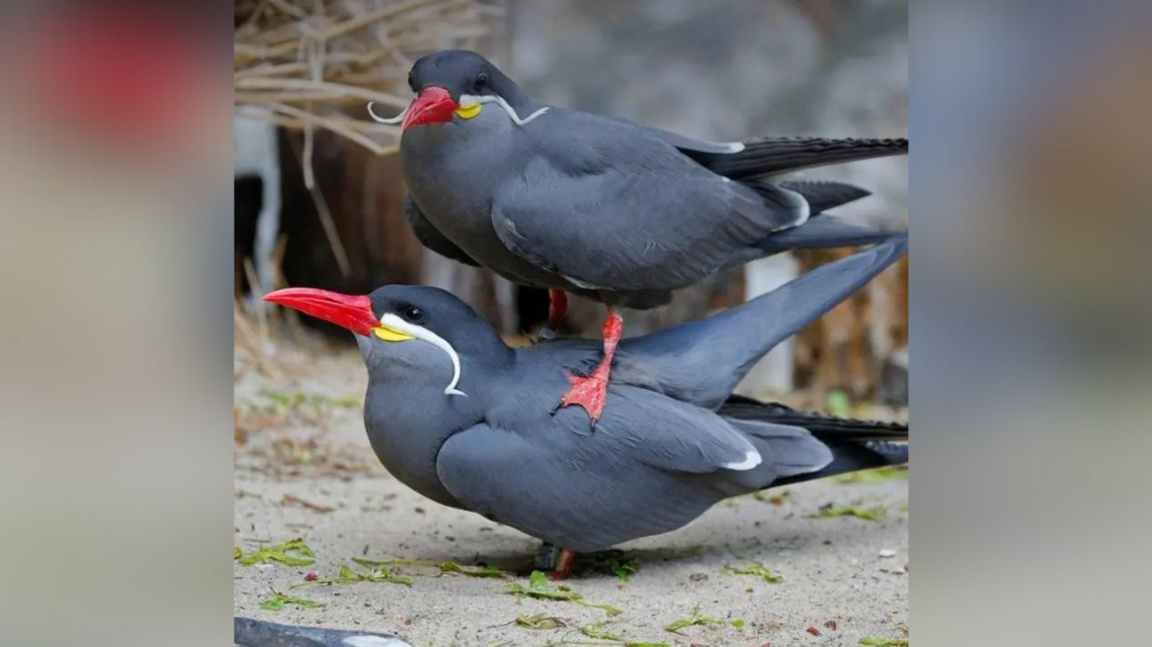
(319, 190)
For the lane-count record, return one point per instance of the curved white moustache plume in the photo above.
(470, 99)
(393, 121)
(419, 332)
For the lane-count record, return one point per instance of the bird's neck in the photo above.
(524, 104)
(516, 96)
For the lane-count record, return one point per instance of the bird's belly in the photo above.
(470, 227)
(588, 514)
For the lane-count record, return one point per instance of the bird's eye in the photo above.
(481, 82)
(412, 314)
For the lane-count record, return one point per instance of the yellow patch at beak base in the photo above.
(391, 334)
(468, 112)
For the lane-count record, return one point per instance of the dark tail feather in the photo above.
(824, 195)
(775, 155)
(738, 406)
(853, 457)
(855, 444)
(823, 231)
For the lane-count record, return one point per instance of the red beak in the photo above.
(344, 310)
(432, 106)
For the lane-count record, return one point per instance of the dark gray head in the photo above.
(420, 335)
(462, 73)
(455, 84)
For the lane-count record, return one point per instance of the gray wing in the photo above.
(652, 465)
(607, 205)
(430, 236)
(702, 361)
(690, 145)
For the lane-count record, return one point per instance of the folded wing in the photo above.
(607, 205)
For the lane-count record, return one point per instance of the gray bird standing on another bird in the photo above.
(463, 419)
(596, 206)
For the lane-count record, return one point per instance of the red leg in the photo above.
(591, 391)
(557, 308)
(564, 564)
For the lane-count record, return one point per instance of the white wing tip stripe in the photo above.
(751, 459)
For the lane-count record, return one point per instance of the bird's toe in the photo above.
(589, 392)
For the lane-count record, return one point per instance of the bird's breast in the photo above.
(452, 181)
(406, 447)
(455, 181)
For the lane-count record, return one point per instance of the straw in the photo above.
(315, 64)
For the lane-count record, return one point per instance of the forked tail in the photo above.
(855, 444)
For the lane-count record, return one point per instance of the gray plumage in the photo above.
(821, 195)
(604, 208)
(672, 440)
(249, 632)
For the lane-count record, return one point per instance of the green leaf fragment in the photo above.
(606, 608)
(875, 513)
(883, 642)
(381, 574)
(349, 576)
(279, 600)
(696, 619)
(298, 398)
(739, 624)
(443, 567)
(776, 498)
(469, 571)
(597, 630)
(757, 569)
(539, 588)
(624, 572)
(838, 403)
(236, 553)
(539, 621)
(612, 562)
(290, 553)
(891, 473)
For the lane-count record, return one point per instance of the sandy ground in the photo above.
(304, 469)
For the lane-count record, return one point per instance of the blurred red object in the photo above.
(128, 77)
